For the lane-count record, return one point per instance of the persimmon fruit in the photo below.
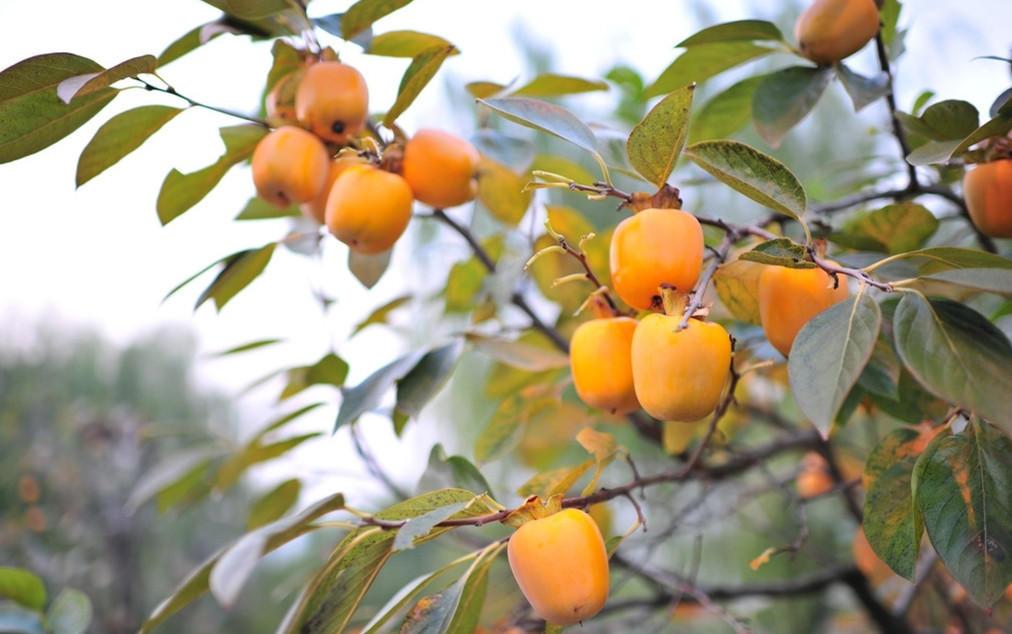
(317, 207)
(441, 168)
(280, 101)
(789, 298)
(652, 248)
(561, 565)
(368, 208)
(814, 478)
(988, 192)
(600, 357)
(289, 166)
(830, 30)
(333, 101)
(679, 375)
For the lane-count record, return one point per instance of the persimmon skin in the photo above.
(561, 565)
(988, 191)
(440, 168)
(333, 101)
(280, 102)
(289, 166)
(867, 561)
(368, 209)
(679, 374)
(830, 30)
(655, 247)
(316, 209)
(789, 298)
(600, 358)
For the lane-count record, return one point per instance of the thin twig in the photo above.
(169, 90)
(898, 132)
(835, 270)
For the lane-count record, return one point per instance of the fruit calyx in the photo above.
(533, 508)
(667, 197)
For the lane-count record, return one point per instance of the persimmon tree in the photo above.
(845, 352)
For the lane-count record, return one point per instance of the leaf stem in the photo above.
(170, 90)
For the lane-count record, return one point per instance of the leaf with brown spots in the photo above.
(962, 486)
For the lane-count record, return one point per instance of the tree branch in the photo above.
(898, 132)
(169, 90)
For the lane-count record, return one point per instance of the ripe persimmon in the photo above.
(600, 357)
(830, 30)
(652, 248)
(788, 298)
(317, 207)
(988, 192)
(368, 208)
(814, 478)
(679, 375)
(289, 166)
(561, 566)
(333, 101)
(440, 168)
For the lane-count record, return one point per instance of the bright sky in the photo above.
(99, 257)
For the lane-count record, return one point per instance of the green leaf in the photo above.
(546, 117)
(656, 142)
(895, 228)
(892, 523)
(181, 191)
(785, 97)
(501, 191)
(984, 280)
(957, 354)
(368, 268)
(405, 44)
(483, 89)
(230, 572)
(239, 271)
(453, 470)
(699, 63)
(554, 85)
(779, 252)
(963, 487)
(936, 259)
(427, 378)
(175, 468)
(329, 602)
(329, 370)
(828, 356)
(120, 136)
(32, 116)
(411, 591)
(254, 9)
(381, 314)
(740, 30)
(752, 173)
(889, 13)
(190, 41)
(245, 347)
(287, 418)
(70, 612)
(950, 120)
(273, 504)
(421, 70)
(457, 609)
(726, 112)
(286, 60)
(259, 209)
(255, 452)
(519, 354)
(22, 587)
(1000, 125)
(862, 90)
(502, 430)
(421, 526)
(363, 13)
(74, 88)
(368, 394)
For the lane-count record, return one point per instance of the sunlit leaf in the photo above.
(22, 587)
(726, 112)
(547, 117)
(699, 63)
(273, 504)
(253, 453)
(171, 470)
(368, 394)
(737, 31)
(239, 271)
(457, 609)
(363, 13)
(381, 314)
(457, 471)
(368, 268)
(501, 191)
(752, 173)
(779, 252)
(656, 142)
(519, 354)
(554, 85)
(421, 70)
(120, 136)
(74, 88)
(427, 378)
(405, 44)
(737, 286)
(259, 209)
(190, 41)
(896, 228)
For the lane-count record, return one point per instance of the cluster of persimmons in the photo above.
(674, 366)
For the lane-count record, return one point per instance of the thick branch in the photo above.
(901, 137)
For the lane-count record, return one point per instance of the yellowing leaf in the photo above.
(737, 285)
(762, 559)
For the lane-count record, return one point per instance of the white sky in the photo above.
(99, 257)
